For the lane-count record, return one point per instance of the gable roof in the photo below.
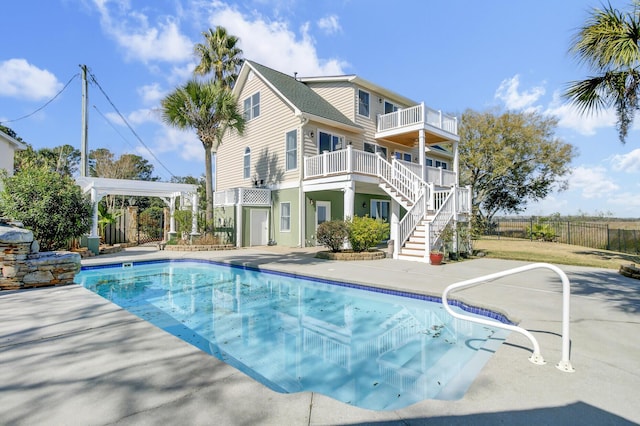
(298, 95)
(352, 78)
(12, 141)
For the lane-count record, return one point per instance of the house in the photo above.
(8, 147)
(322, 148)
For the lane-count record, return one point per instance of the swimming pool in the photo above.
(371, 348)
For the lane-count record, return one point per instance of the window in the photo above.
(429, 162)
(405, 156)
(372, 147)
(380, 209)
(252, 107)
(291, 150)
(246, 169)
(363, 103)
(442, 164)
(389, 107)
(285, 217)
(329, 142)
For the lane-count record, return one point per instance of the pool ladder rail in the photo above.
(536, 357)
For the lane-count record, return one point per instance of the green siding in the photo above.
(289, 238)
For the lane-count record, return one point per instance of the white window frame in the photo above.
(443, 164)
(396, 107)
(251, 107)
(283, 217)
(401, 155)
(287, 150)
(361, 104)
(332, 135)
(246, 163)
(372, 210)
(376, 148)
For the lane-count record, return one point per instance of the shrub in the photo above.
(365, 232)
(49, 204)
(332, 234)
(542, 231)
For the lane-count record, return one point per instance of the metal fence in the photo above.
(585, 234)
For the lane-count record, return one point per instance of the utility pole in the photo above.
(85, 124)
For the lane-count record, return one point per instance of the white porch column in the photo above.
(421, 151)
(95, 199)
(172, 218)
(238, 208)
(456, 160)
(349, 199)
(395, 223)
(194, 215)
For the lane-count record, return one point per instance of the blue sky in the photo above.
(452, 55)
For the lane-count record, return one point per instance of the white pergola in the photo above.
(168, 192)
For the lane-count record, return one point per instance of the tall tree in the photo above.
(209, 109)
(608, 45)
(63, 159)
(510, 159)
(220, 55)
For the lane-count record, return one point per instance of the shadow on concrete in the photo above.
(563, 415)
(621, 291)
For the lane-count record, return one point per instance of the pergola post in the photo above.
(194, 216)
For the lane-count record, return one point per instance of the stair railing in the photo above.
(410, 220)
(536, 357)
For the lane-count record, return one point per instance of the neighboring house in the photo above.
(8, 147)
(322, 148)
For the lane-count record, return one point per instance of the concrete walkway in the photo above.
(68, 356)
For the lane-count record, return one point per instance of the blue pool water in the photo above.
(371, 349)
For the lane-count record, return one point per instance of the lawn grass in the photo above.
(538, 251)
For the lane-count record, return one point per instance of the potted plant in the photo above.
(436, 256)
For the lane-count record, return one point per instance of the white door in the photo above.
(259, 228)
(323, 212)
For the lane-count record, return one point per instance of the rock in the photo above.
(38, 277)
(13, 235)
(35, 247)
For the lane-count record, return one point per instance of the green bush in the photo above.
(49, 204)
(365, 232)
(332, 234)
(542, 231)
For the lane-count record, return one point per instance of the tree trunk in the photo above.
(208, 172)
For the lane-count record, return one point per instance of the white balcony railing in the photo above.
(242, 196)
(418, 114)
(354, 161)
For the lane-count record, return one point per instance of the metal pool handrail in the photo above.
(536, 357)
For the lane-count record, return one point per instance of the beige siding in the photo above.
(265, 136)
(338, 94)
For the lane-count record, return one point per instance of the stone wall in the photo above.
(23, 266)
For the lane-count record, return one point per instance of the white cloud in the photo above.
(570, 117)
(274, 44)
(20, 79)
(330, 24)
(186, 143)
(509, 93)
(629, 162)
(594, 182)
(151, 94)
(161, 41)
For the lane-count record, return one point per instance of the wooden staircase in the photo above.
(397, 196)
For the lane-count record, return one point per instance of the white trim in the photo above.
(281, 216)
(18, 145)
(368, 103)
(298, 139)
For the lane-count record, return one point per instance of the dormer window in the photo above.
(252, 107)
(363, 103)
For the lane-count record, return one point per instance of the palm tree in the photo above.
(210, 109)
(220, 55)
(608, 44)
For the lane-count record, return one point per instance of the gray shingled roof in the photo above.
(300, 95)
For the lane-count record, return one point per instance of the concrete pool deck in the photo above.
(68, 356)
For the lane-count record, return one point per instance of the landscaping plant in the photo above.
(365, 232)
(333, 234)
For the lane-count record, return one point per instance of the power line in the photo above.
(94, 80)
(47, 103)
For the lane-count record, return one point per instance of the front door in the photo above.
(323, 212)
(259, 228)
